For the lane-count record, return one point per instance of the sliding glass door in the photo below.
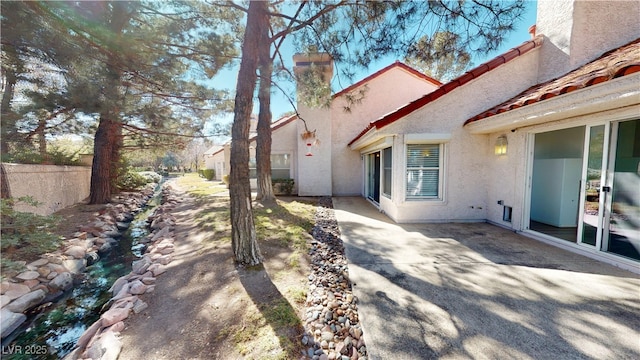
(621, 223)
(585, 186)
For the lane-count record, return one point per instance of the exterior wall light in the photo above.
(501, 145)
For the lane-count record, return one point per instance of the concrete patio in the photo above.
(477, 291)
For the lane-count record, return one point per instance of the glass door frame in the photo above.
(604, 198)
(373, 174)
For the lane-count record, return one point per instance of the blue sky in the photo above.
(280, 104)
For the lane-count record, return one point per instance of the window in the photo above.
(424, 162)
(280, 167)
(386, 176)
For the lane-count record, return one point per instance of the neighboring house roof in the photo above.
(612, 64)
(278, 124)
(451, 85)
(212, 150)
(376, 74)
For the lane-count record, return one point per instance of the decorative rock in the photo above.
(118, 284)
(28, 275)
(27, 301)
(14, 291)
(157, 269)
(76, 251)
(140, 266)
(137, 288)
(9, 321)
(106, 347)
(165, 259)
(117, 327)
(139, 306)
(327, 335)
(44, 271)
(62, 282)
(148, 280)
(113, 316)
(123, 293)
(31, 283)
(75, 266)
(88, 334)
(4, 300)
(38, 263)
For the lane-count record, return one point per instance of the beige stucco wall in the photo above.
(465, 196)
(508, 175)
(56, 187)
(384, 93)
(578, 31)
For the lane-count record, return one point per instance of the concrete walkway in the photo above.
(476, 291)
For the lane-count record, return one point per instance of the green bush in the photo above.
(208, 174)
(25, 236)
(226, 179)
(284, 186)
(151, 176)
(131, 180)
(29, 155)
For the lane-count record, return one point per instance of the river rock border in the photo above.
(47, 278)
(332, 327)
(101, 340)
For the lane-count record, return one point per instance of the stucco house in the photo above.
(384, 91)
(543, 139)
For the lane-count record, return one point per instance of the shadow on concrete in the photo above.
(478, 291)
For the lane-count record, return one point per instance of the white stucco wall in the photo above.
(466, 155)
(577, 31)
(508, 175)
(56, 187)
(384, 93)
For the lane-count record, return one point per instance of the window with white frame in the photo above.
(280, 167)
(387, 171)
(424, 171)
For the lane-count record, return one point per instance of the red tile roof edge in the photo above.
(384, 70)
(452, 85)
(278, 124)
(529, 96)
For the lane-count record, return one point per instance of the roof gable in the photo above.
(395, 65)
(452, 85)
(278, 124)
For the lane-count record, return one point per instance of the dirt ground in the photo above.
(204, 307)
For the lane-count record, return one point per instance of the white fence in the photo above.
(55, 187)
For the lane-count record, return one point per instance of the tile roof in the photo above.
(613, 64)
(396, 64)
(451, 85)
(278, 124)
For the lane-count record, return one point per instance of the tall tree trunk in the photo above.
(263, 141)
(102, 167)
(5, 191)
(243, 231)
(42, 142)
(7, 117)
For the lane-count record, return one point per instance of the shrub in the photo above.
(208, 174)
(131, 180)
(226, 179)
(151, 176)
(283, 186)
(24, 235)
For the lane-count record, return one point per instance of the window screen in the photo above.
(423, 171)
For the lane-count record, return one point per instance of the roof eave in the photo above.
(614, 94)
